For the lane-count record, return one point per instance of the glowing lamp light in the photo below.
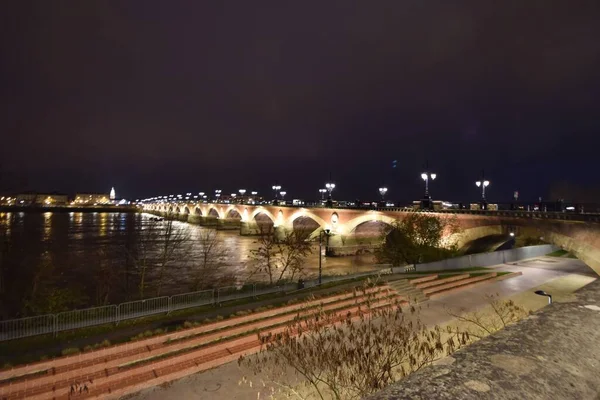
(433, 176)
(424, 176)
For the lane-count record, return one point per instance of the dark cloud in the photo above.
(154, 97)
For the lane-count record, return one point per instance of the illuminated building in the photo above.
(91, 199)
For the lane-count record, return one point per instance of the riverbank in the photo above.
(68, 209)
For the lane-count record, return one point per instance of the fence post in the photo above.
(54, 325)
(118, 314)
(169, 305)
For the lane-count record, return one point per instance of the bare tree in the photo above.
(160, 251)
(481, 323)
(212, 255)
(349, 356)
(280, 259)
(106, 277)
(328, 355)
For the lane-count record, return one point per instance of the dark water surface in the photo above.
(51, 262)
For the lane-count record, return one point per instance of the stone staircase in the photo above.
(126, 368)
(405, 288)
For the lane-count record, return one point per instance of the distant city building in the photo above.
(42, 199)
(91, 199)
(112, 194)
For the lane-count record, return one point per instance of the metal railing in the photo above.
(113, 314)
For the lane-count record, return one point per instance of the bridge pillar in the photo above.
(249, 228)
(334, 245)
(203, 220)
(280, 232)
(195, 219)
(228, 224)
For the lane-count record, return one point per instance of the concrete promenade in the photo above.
(559, 276)
(552, 354)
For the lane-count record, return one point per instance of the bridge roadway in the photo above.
(353, 228)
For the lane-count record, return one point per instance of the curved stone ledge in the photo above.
(552, 354)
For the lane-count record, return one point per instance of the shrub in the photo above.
(187, 324)
(158, 331)
(219, 318)
(43, 358)
(87, 348)
(147, 333)
(241, 313)
(70, 350)
(105, 343)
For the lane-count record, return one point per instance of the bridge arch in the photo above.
(213, 212)
(186, 210)
(370, 217)
(581, 239)
(263, 219)
(233, 213)
(198, 210)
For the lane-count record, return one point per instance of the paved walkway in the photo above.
(558, 276)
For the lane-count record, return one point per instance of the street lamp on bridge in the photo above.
(426, 203)
(253, 198)
(217, 195)
(483, 184)
(276, 189)
(329, 186)
(242, 193)
(322, 191)
(382, 192)
(282, 194)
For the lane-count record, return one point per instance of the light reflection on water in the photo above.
(73, 250)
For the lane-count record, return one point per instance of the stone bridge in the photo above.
(356, 229)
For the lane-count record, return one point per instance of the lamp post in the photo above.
(242, 192)
(542, 293)
(329, 186)
(282, 194)
(253, 197)
(276, 189)
(217, 195)
(483, 184)
(322, 191)
(326, 233)
(382, 192)
(426, 202)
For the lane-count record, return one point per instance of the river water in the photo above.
(51, 262)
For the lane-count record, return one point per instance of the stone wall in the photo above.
(552, 354)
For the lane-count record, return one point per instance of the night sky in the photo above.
(157, 97)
